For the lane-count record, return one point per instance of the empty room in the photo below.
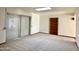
(39, 29)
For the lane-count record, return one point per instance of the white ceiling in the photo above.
(54, 10)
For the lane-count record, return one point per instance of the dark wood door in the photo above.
(53, 26)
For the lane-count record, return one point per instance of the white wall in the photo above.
(35, 23)
(66, 26)
(44, 23)
(77, 27)
(2, 25)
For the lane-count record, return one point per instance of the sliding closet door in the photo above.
(12, 26)
(24, 25)
(17, 26)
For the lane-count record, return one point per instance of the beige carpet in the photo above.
(40, 42)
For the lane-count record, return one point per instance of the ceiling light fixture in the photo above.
(43, 9)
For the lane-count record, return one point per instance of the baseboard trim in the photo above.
(67, 36)
(2, 43)
(35, 33)
(59, 35)
(77, 45)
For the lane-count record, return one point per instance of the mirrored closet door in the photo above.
(17, 26)
(24, 25)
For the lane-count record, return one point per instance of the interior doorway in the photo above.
(53, 26)
(17, 26)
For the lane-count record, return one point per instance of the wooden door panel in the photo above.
(54, 26)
